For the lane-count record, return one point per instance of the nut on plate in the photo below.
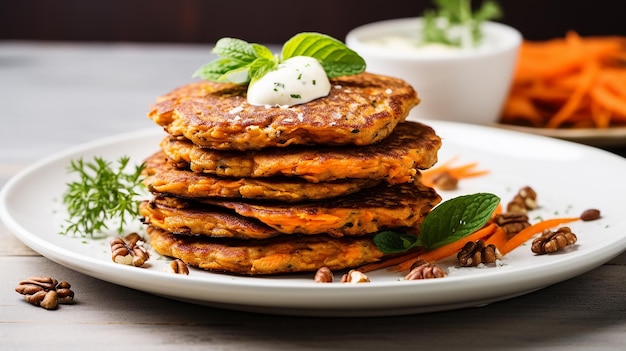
(446, 181)
(45, 292)
(553, 241)
(590, 215)
(476, 252)
(355, 276)
(177, 266)
(129, 250)
(424, 270)
(512, 222)
(523, 201)
(324, 275)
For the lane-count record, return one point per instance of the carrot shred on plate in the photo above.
(467, 170)
(569, 82)
(390, 261)
(449, 249)
(529, 232)
(498, 238)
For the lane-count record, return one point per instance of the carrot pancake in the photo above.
(163, 177)
(262, 257)
(397, 159)
(360, 110)
(184, 217)
(382, 207)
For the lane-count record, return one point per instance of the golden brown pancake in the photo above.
(262, 257)
(382, 207)
(163, 177)
(189, 218)
(397, 158)
(360, 110)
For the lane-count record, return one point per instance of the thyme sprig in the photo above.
(101, 194)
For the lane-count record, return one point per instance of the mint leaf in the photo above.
(456, 218)
(393, 242)
(217, 69)
(450, 221)
(242, 62)
(263, 52)
(236, 49)
(260, 66)
(239, 62)
(336, 58)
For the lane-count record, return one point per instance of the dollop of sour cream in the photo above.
(297, 80)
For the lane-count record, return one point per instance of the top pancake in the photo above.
(360, 110)
(412, 146)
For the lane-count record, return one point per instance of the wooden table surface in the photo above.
(57, 95)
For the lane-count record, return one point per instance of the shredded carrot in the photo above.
(448, 249)
(498, 210)
(498, 238)
(569, 82)
(459, 172)
(528, 232)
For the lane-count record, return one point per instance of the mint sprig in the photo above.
(450, 221)
(453, 23)
(242, 62)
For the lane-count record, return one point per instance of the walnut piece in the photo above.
(354, 276)
(523, 201)
(475, 253)
(512, 222)
(129, 250)
(424, 270)
(324, 275)
(553, 241)
(45, 292)
(177, 266)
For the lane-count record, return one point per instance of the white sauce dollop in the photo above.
(297, 80)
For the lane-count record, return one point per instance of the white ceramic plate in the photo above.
(568, 177)
(608, 137)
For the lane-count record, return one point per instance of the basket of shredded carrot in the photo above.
(569, 82)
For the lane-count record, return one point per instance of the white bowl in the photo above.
(463, 85)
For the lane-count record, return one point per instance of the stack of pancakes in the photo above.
(265, 190)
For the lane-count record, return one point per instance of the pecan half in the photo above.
(45, 292)
(129, 250)
(355, 276)
(445, 181)
(523, 201)
(512, 222)
(324, 275)
(424, 270)
(476, 252)
(553, 241)
(177, 266)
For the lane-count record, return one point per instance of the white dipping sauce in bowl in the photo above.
(454, 84)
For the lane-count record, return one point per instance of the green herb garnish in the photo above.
(242, 62)
(453, 23)
(101, 194)
(450, 221)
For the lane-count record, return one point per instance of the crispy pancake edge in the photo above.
(360, 110)
(397, 159)
(271, 256)
(162, 176)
